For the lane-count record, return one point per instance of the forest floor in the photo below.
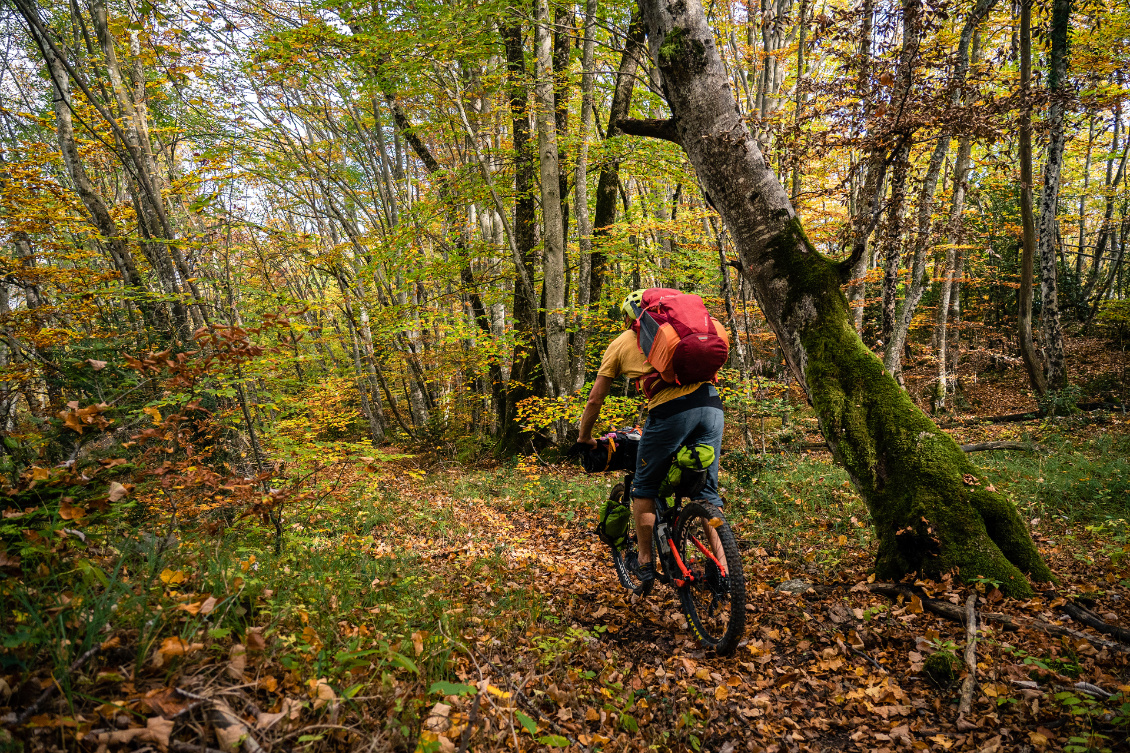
(434, 607)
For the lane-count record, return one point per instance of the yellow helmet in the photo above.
(633, 304)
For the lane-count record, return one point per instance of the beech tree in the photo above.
(932, 510)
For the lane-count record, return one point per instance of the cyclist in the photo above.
(677, 415)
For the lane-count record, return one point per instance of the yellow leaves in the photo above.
(153, 414)
(714, 522)
(721, 693)
(172, 577)
(498, 693)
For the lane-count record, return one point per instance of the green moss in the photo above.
(681, 51)
(931, 511)
(941, 667)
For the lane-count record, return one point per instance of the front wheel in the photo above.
(713, 598)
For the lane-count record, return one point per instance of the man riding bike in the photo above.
(677, 415)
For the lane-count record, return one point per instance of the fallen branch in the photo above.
(1080, 613)
(970, 681)
(49, 691)
(952, 612)
(983, 446)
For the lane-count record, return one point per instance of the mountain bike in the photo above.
(695, 553)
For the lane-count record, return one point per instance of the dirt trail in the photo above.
(842, 671)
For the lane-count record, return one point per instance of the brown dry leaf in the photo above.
(117, 491)
(321, 692)
(438, 719)
(721, 693)
(193, 608)
(208, 605)
(159, 730)
(592, 715)
(230, 738)
(268, 683)
(1037, 739)
(418, 642)
(67, 512)
(311, 636)
(237, 662)
(8, 561)
(255, 641)
(164, 702)
(915, 605)
(95, 364)
(289, 709)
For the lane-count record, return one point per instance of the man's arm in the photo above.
(597, 394)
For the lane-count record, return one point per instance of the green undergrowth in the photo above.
(1074, 480)
(356, 602)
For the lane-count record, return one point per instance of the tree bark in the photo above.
(1028, 224)
(609, 180)
(931, 509)
(557, 340)
(584, 219)
(1051, 332)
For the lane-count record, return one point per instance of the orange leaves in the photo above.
(79, 419)
(173, 647)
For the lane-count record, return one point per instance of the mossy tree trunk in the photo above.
(932, 510)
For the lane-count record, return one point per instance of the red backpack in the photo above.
(680, 339)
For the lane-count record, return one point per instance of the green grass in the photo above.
(1068, 479)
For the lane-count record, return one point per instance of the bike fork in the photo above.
(671, 554)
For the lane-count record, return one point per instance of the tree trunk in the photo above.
(1051, 332)
(1028, 234)
(557, 340)
(893, 357)
(523, 381)
(609, 180)
(931, 509)
(584, 221)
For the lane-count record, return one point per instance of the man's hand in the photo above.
(581, 446)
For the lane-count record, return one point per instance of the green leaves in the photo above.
(443, 687)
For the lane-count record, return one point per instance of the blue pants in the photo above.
(663, 436)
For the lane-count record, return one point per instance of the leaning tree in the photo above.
(932, 510)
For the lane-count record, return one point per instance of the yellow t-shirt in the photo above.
(623, 356)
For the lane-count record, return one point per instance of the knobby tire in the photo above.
(714, 605)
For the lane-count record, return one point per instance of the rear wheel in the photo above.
(713, 598)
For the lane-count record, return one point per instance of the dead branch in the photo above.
(955, 613)
(970, 682)
(1080, 613)
(983, 446)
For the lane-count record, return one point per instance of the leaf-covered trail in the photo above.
(567, 651)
